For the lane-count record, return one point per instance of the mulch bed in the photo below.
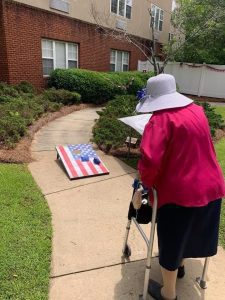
(21, 153)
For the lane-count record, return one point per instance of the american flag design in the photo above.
(71, 157)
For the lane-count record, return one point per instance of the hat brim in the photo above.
(173, 100)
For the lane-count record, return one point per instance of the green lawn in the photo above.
(220, 110)
(25, 231)
(220, 150)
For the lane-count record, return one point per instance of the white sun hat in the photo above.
(161, 94)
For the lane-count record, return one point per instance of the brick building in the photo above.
(39, 36)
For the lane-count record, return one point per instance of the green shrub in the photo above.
(20, 107)
(93, 87)
(98, 87)
(47, 106)
(12, 128)
(7, 92)
(108, 131)
(19, 113)
(25, 87)
(215, 119)
(134, 81)
(62, 96)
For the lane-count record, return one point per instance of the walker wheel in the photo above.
(127, 251)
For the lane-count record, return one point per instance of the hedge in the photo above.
(109, 133)
(98, 87)
(61, 96)
(20, 107)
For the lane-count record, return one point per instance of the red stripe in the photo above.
(103, 168)
(68, 162)
(82, 168)
(92, 167)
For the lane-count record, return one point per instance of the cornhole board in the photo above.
(71, 158)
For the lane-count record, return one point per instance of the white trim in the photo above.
(54, 56)
(116, 59)
(161, 18)
(76, 59)
(66, 55)
(116, 62)
(125, 9)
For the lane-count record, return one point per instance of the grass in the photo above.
(220, 150)
(220, 110)
(25, 230)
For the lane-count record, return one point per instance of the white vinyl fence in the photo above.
(195, 79)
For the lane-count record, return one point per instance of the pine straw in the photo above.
(21, 153)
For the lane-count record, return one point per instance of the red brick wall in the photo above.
(3, 55)
(25, 26)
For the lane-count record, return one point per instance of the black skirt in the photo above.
(187, 232)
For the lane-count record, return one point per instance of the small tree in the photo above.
(202, 23)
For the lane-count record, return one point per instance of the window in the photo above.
(121, 8)
(61, 5)
(157, 17)
(57, 54)
(119, 61)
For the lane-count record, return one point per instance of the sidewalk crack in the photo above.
(99, 268)
(90, 183)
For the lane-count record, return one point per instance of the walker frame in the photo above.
(126, 251)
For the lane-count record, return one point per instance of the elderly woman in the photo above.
(179, 161)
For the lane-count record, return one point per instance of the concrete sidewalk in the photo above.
(89, 217)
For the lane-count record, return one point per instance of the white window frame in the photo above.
(161, 17)
(127, 3)
(60, 5)
(54, 53)
(116, 60)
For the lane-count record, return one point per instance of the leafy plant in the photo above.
(215, 119)
(25, 87)
(62, 96)
(98, 87)
(108, 131)
(19, 108)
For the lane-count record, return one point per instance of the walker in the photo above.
(149, 242)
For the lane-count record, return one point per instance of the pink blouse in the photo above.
(178, 158)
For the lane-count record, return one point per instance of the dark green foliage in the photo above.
(202, 24)
(215, 119)
(15, 116)
(98, 87)
(12, 128)
(19, 108)
(61, 96)
(7, 92)
(108, 131)
(91, 86)
(25, 87)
